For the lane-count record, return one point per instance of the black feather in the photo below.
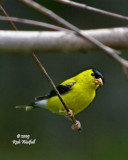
(97, 74)
(61, 88)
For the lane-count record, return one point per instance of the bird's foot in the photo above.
(76, 126)
(69, 114)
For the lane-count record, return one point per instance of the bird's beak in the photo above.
(99, 81)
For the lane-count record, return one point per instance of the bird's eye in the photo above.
(92, 74)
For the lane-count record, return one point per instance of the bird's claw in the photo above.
(69, 113)
(76, 126)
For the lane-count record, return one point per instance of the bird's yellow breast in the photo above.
(77, 99)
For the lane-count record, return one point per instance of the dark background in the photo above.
(105, 122)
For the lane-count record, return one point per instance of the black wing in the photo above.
(61, 88)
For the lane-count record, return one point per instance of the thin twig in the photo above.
(86, 7)
(53, 85)
(46, 74)
(32, 22)
(9, 20)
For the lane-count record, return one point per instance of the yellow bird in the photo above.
(77, 93)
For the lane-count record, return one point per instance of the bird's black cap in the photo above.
(97, 74)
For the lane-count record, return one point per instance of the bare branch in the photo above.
(86, 7)
(26, 42)
(32, 22)
(49, 41)
(63, 22)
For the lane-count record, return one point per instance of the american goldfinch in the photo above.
(77, 93)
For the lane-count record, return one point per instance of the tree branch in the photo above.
(49, 41)
(68, 25)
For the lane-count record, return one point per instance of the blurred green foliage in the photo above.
(105, 128)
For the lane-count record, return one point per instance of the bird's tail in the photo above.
(36, 104)
(27, 108)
